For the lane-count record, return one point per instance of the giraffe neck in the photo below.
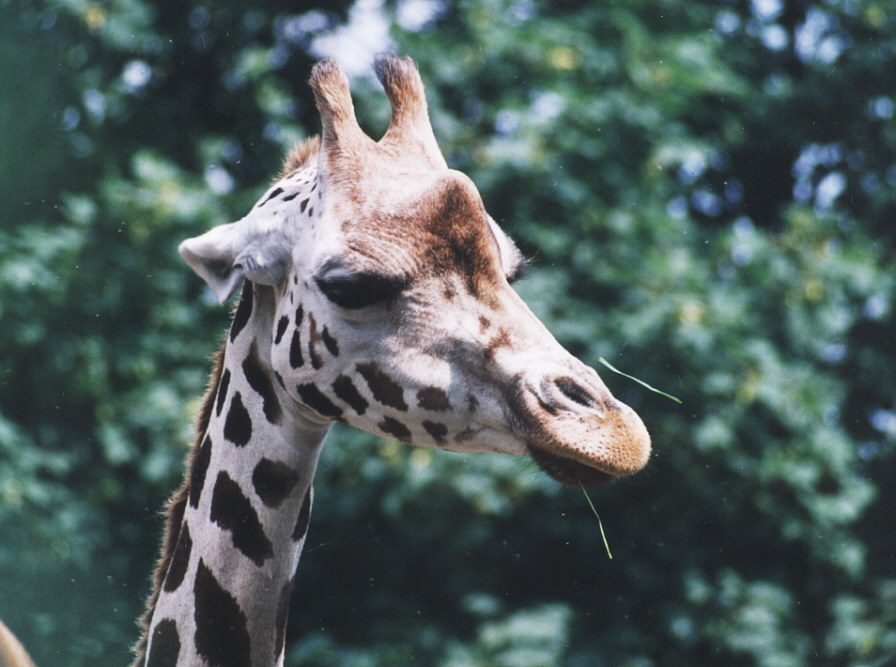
(238, 525)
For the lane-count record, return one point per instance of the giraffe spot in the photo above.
(222, 634)
(222, 391)
(433, 398)
(346, 390)
(261, 383)
(465, 435)
(484, 324)
(395, 428)
(457, 246)
(243, 311)
(198, 471)
(232, 511)
(274, 193)
(329, 342)
(238, 424)
(273, 481)
(301, 527)
(279, 379)
(317, 401)
(291, 197)
(282, 323)
(501, 340)
(295, 350)
(282, 615)
(300, 312)
(180, 559)
(164, 647)
(436, 430)
(311, 212)
(384, 389)
(303, 205)
(314, 338)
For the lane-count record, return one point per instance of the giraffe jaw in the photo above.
(567, 471)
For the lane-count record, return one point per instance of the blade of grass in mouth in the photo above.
(641, 382)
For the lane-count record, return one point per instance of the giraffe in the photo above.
(12, 653)
(375, 291)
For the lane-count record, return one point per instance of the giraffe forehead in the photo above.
(394, 217)
(442, 230)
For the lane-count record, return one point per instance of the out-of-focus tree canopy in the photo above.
(708, 193)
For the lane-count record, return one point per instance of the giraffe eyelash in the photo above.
(519, 271)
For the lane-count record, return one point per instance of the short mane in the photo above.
(299, 156)
(174, 511)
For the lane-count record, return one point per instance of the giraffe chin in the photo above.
(567, 471)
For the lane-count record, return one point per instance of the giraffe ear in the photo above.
(227, 254)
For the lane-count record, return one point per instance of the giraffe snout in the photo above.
(565, 393)
(578, 432)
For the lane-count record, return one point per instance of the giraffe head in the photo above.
(393, 309)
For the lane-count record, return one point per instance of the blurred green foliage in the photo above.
(708, 191)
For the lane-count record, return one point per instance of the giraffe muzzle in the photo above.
(578, 432)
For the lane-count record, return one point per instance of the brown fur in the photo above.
(299, 156)
(459, 236)
(401, 81)
(174, 511)
(398, 193)
(342, 136)
(349, 159)
(447, 227)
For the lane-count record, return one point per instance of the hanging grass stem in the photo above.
(599, 522)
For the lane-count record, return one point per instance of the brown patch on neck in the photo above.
(174, 510)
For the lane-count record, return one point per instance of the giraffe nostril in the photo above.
(574, 392)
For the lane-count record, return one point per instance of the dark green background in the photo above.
(707, 192)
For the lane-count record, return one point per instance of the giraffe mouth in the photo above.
(577, 433)
(567, 471)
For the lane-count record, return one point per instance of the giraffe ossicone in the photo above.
(376, 291)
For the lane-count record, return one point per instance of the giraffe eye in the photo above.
(360, 289)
